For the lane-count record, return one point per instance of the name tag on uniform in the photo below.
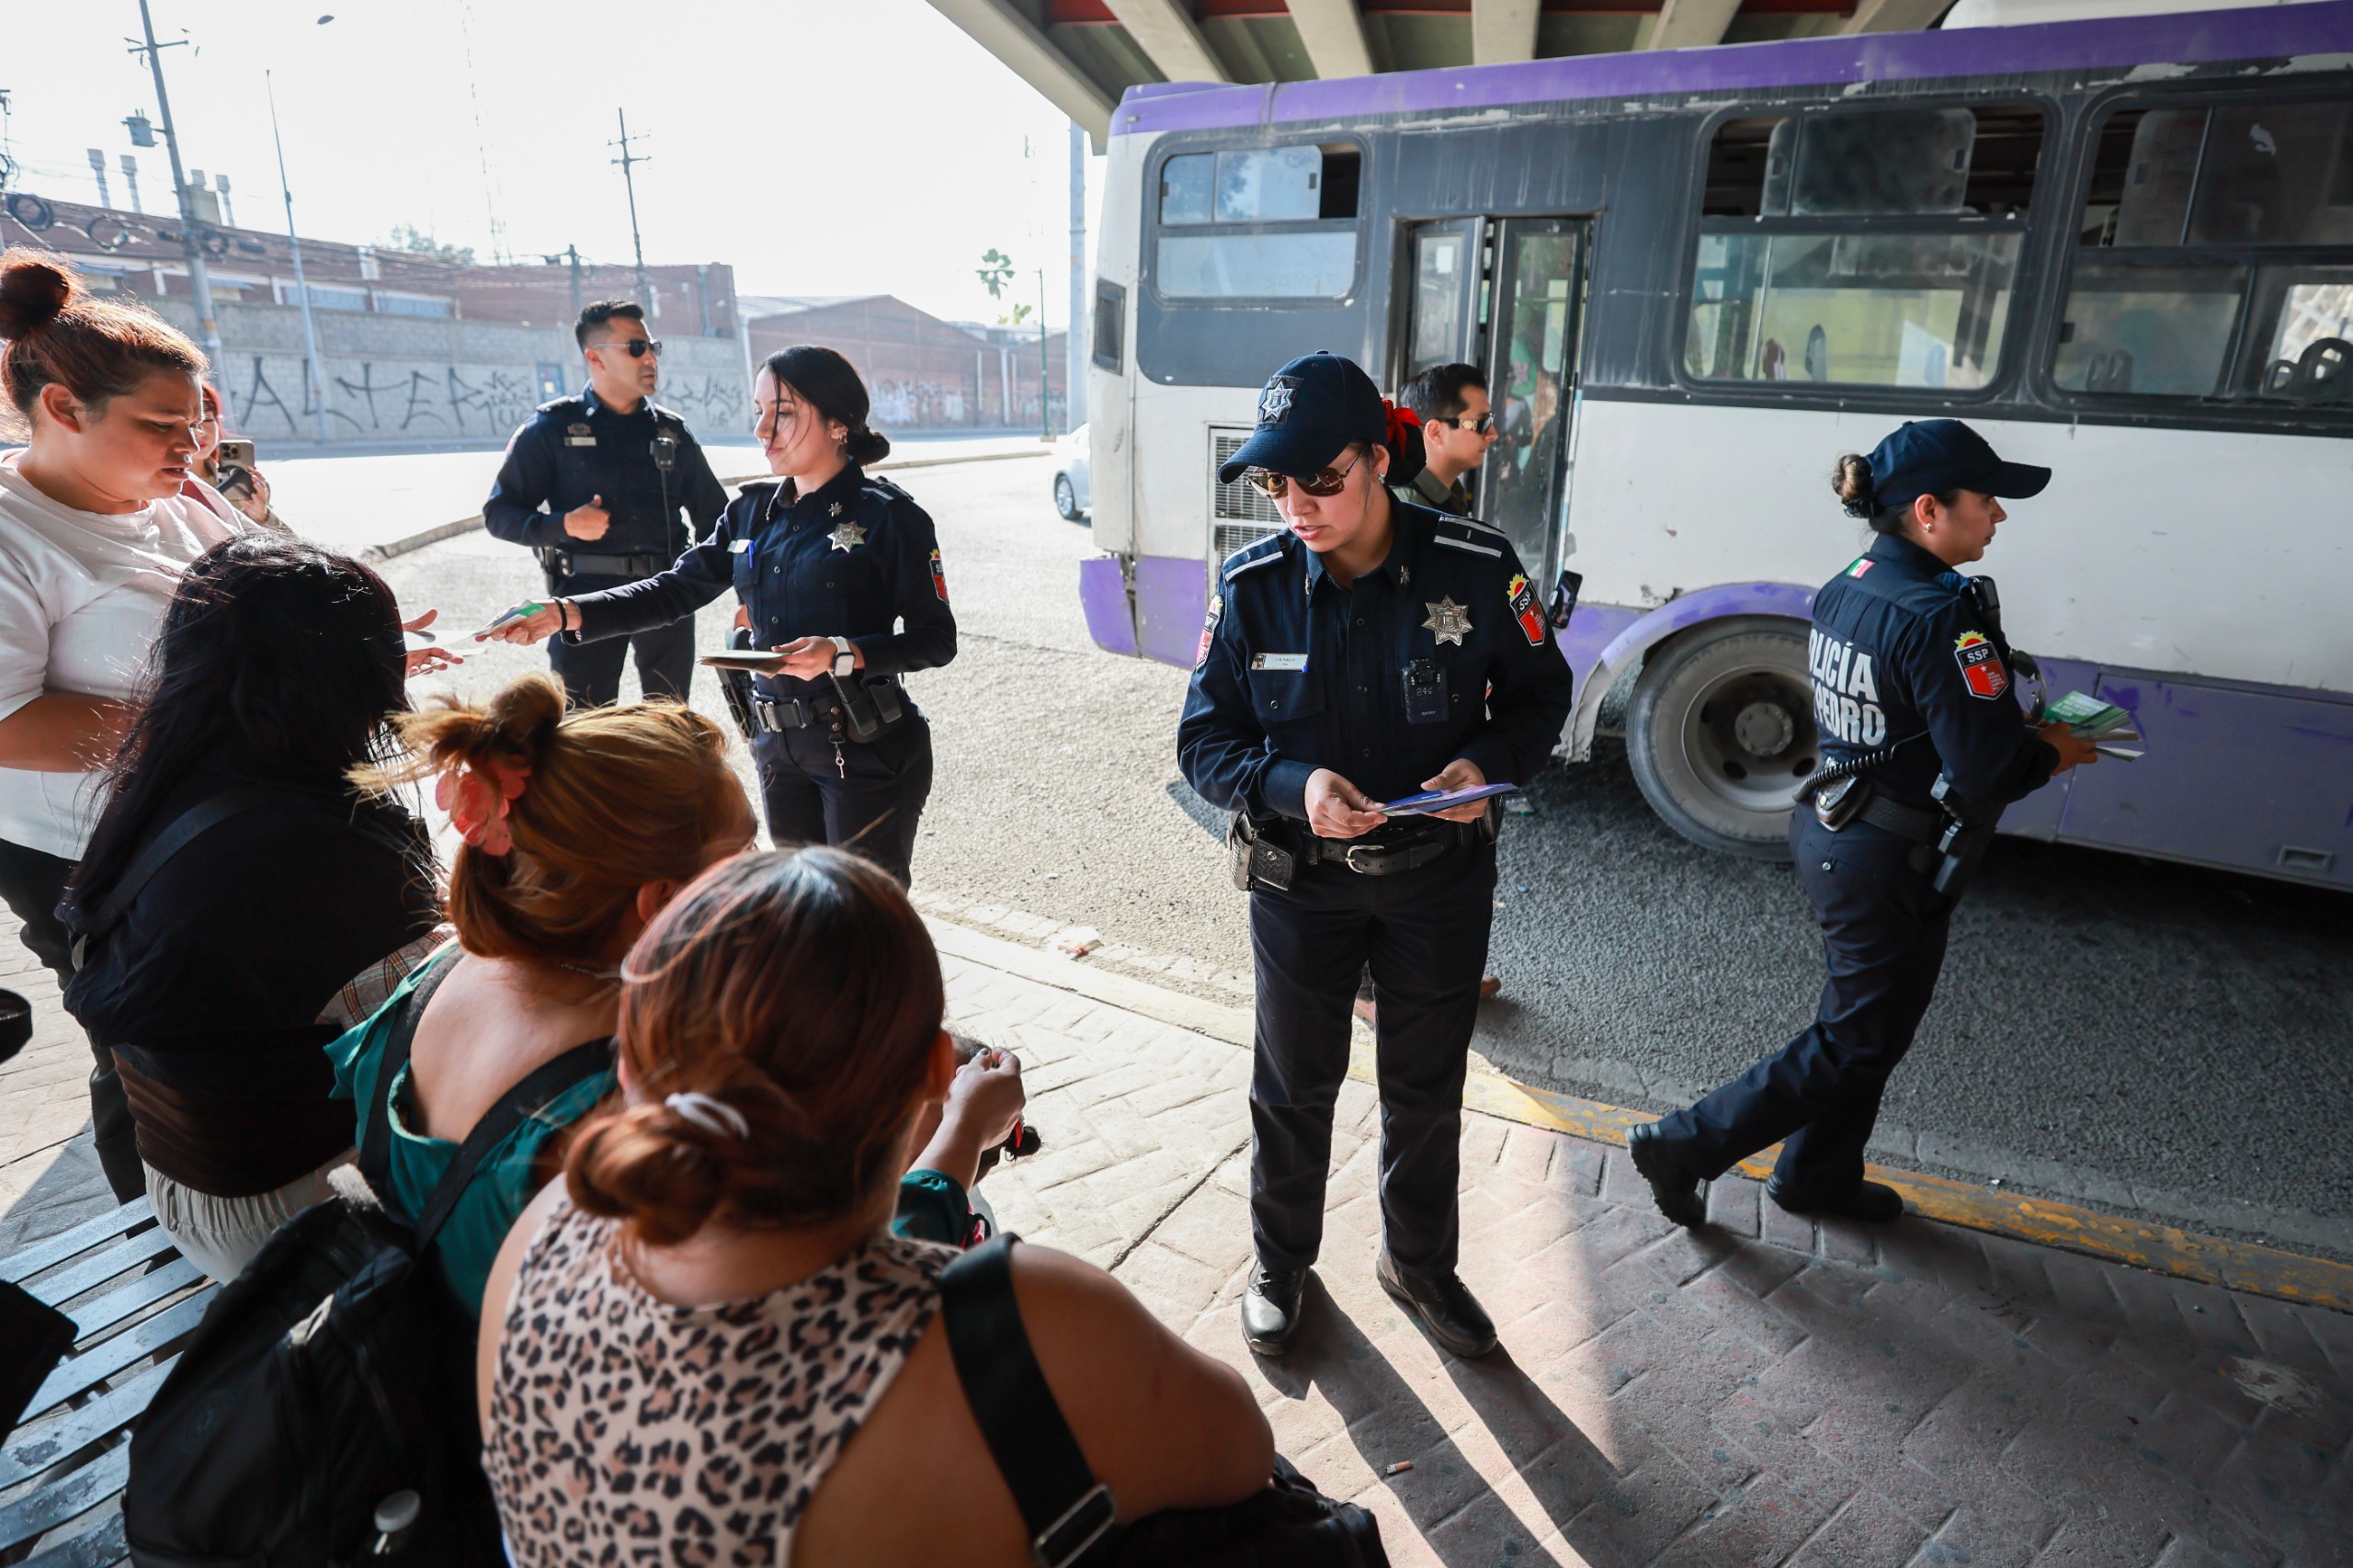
(580, 440)
(1295, 661)
(740, 546)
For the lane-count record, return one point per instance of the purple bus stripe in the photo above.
(2271, 32)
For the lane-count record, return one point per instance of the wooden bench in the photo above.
(135, 1301)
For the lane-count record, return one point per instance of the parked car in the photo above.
(1073, 493)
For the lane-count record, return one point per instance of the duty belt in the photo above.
(780, 714)
(1388, 860)
(1914, 822)
(573, 563)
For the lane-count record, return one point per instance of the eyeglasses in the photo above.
(1477, 427)
(637, 347)
(1329, 482)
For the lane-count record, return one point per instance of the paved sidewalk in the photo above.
(1767, 1391)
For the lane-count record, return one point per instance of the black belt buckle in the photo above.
(778, 713)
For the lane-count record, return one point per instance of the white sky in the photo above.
(821, 146)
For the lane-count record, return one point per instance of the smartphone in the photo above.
(758, 661)
(235, 452)
(38, 1337)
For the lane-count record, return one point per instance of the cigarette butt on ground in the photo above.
(1400, 1468)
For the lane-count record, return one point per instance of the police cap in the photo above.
(1308, 412)
(1934, 457)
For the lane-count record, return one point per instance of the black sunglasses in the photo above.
(1477, 427)
(1329, 482)
(638, 347)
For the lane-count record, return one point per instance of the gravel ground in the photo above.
(2185, 1032)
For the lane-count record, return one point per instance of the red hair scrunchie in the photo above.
(479, 798)
(1401, 420)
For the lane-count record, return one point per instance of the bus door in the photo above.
(1504, 294)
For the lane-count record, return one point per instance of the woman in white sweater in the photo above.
(95, 531)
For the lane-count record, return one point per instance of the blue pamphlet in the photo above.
(1430, 800)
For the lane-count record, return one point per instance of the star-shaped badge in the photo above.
(834, 510)
(848, 536)
(1449, 621)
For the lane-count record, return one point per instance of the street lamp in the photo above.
(294, 244)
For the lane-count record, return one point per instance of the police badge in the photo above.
(1275, 400)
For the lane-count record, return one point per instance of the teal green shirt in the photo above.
(470, 1239)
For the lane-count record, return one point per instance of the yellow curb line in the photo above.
(2248, 1267)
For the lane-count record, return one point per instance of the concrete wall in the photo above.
(406, 378)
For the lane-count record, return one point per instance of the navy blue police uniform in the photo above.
(1440, 652)
(648, 467)
(855, 557)
(1913, 682)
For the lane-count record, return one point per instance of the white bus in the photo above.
(2121, 248)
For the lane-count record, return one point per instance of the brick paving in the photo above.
(1765, 1391)
(1770, 1391)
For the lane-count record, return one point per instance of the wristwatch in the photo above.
(845, 659)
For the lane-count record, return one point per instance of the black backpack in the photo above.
(1067, 1512)
(323, 1410)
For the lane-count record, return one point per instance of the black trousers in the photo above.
(591, 672)
(31, 882)
(1883, 930)
(1424, 936)
(867, 798)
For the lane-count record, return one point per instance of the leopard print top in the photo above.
(627, 1430)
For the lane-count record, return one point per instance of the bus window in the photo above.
(1441, 261)
(1913, 289)
(2178, 256)
(1258, 222)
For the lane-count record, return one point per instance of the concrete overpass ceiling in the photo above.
(1112, 45)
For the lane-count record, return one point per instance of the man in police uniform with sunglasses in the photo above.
(594, 485)
(1373, 650)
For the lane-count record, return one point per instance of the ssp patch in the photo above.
(939, 577)
(1209, 629)
(1981, 667)
(1525, 612)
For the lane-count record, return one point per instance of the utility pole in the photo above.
(302, 289)
(628, 158)
(199, 282)
(1045, 384)
(572, 253)
(1078, 348)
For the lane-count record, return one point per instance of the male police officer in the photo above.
(612, 469)
(1373, 650)
(1457, 427)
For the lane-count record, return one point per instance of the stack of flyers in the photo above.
(2103, 724)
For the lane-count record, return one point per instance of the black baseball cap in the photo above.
(1308, 412)
(1931, 457)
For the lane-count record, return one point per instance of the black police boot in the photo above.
(1673, 1189)
(1270, 1309)
(1443, 1305)
(1868, 1202)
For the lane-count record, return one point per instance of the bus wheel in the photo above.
(1721, 732)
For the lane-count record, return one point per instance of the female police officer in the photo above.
(1925, 744)
(827, 565)
(1373, 649)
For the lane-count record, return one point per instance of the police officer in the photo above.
(828, 565)
(1924, 741)
(1457, 429)
(1373, 650)
(612, 469)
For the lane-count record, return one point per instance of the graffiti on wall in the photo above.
(917, 406)
(373, 400)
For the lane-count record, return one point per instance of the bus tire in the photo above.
(1721, 732)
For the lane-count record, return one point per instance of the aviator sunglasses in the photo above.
(636, 348)
(1328, 482)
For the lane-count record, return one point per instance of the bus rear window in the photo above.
(1259, 185)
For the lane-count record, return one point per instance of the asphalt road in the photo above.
(2143, 1037)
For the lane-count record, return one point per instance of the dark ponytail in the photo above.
(1408, 454)
(830, 383)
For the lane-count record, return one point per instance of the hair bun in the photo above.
(1853, 482)
(34, 291)
(865, 445)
